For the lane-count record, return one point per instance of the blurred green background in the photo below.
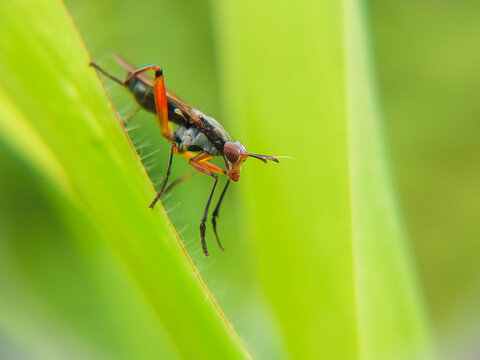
(220, 56)
(429, 79)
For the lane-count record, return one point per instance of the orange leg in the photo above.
(161, 103)
(189, 155)
(199, 158)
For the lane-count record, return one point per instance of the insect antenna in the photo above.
(264, 158)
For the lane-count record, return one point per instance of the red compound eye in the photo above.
(231, 152)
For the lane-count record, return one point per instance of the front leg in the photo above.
(196, 163)
(212, 167)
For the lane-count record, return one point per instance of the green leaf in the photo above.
(391, 318)
(328, 237)
(86, 270)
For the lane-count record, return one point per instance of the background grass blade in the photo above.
(391, 317)
(288, 94)
(327, 236)
(86, 267)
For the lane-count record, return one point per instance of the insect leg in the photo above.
(173, 148)
(131, 115)
(213, 168)
(176, 182)
(111, 77)
(188, 155)
(161, 103)
(215, 215)
(198, 166)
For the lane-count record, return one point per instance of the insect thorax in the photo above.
(201, 132)
(191, 139)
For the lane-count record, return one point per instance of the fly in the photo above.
(197, 138)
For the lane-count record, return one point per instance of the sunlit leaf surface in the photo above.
(87, 270)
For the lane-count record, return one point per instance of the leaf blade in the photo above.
(46, 80)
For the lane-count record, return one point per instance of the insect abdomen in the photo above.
(145, 97)
(143, 94)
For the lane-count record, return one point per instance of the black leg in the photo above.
(159, 194)
(106, 74)
(131, 115)
(204, 217)
(176, 182)
(196, 163)
(215, 214)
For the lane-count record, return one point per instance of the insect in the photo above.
(197, 138)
